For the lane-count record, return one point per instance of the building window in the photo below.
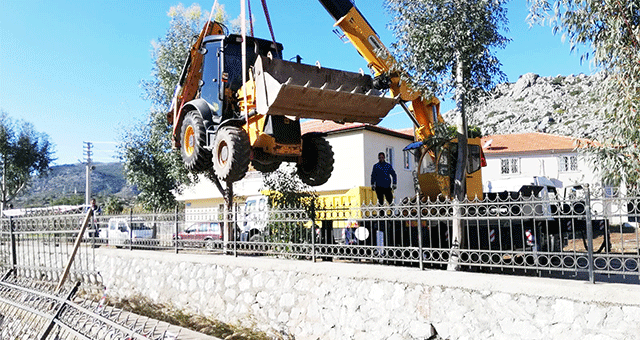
(509, 166)
(389, 155)
(568, 163)
(407, 160)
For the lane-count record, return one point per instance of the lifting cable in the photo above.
(215, 4)
(250, 18)
(266, 14)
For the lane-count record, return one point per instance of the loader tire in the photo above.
(265, 168)
(231, 153)
(317, 161)
(193, 136)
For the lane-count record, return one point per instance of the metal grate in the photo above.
(29, 310)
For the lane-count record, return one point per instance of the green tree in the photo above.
(68, 200)
(446, 48)
(145, 149)
(113, 206)
(609, 31)
(286, 191)
(23, 153)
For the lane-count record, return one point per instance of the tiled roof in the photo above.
(327, 126)
(530, 142)
(315, 125)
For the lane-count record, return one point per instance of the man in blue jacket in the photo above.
(381, 179)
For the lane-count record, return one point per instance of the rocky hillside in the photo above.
(558, 105)
(69, 181)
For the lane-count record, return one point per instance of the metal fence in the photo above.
(573, 234)
(37, 253)
(34, 309)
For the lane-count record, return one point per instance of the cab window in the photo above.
(474, 159)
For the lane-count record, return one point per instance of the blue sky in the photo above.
(73, 68)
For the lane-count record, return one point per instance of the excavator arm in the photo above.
(433, 169)
(424, 112)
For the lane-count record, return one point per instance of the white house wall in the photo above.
(538, 165)
(348, 167)
(375, 143)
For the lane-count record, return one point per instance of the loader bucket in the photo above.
(307, 91)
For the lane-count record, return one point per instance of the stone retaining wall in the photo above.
(327, 300)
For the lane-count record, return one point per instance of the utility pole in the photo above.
(88, 153)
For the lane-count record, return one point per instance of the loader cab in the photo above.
(222, 69)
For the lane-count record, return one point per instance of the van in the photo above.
(255, 219)
(125, 231)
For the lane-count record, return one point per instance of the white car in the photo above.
(125, 231)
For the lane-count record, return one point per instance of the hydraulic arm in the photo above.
(434, 168)
(424, 112)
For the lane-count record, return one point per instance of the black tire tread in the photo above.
(265, 168)
(240, 149)
(200, 160)
(317, 161)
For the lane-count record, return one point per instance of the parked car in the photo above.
(202, 234)
(124, 231)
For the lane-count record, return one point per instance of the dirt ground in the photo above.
(623, 241)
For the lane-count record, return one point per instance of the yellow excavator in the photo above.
(221, 122)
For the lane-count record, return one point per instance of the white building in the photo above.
(535, 154)
(355, 146)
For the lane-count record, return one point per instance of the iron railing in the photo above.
(34, 309)
(576, 233)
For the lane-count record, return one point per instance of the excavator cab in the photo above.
(436, 169)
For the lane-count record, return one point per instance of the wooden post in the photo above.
(65, 274)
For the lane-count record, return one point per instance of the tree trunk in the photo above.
(459, 188)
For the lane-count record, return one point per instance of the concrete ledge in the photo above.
(334, 300)
(625, 294)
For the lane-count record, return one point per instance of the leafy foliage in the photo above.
(149, 161)
(286, 191)
(23, 153)
(68, 200)
(169, 54)
(610, 32)
(445, 46)
(433, 33)
(113, 206)
(151, 165)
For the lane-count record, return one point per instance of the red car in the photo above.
(203, 234)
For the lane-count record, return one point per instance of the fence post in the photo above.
(589, 226)
(175, 239)
(12, 240)
(421, 261)
(416, 186)
(235, 229)
(131, 229)
(313, 237)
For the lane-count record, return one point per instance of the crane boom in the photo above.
(433, 169)
(424, 112)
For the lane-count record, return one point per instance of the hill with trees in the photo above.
(65, 184)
